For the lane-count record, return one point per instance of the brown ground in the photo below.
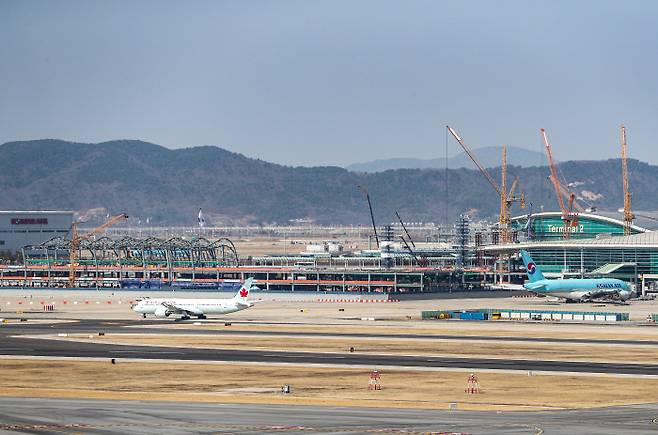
(257, 383)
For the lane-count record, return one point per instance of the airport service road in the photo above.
(11, 343)
(57, 416)
(154, 327)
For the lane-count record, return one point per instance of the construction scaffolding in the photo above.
(129, 251)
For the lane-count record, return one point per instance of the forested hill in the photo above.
(168, 186)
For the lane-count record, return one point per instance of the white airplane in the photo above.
(165, 307)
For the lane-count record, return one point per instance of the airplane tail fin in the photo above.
(534, 274)
(243, 293)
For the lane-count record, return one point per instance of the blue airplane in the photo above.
(575, 290)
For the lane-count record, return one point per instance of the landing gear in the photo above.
(144, 315)
(201, 316)
(183, 318)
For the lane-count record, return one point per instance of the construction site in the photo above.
(400, 317)
(395, 258)
(399, 257)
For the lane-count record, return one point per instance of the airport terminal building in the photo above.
(21, 228)
(631, 258)
(550, 226)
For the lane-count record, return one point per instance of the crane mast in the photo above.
(506, 199)
(405, 228)
(77, 239)
(568, 216)
(628, 214)
(510, 196)
(468, 151)
(504, 206)
(372, 216)
(567, 194)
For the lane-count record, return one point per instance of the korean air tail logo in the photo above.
(531, 268)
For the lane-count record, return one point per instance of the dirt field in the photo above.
(258, 383)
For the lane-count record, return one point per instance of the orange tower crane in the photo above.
(569, 218)
(506, 199)
(567, 194)
(628, 214)
(77, 239)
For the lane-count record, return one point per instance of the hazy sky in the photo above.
(333, 82)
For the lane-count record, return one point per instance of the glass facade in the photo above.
(583, 260)
(551, 227)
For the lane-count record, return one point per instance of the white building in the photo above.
(20, 228)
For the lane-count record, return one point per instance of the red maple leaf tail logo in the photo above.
(243, 292)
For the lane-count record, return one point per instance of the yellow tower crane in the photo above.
(77, 239)
(506, 199)
(628, 214)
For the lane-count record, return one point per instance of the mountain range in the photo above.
(168, 186)
(489, 157)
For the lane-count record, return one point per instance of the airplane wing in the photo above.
(534, 286)
(175, 309)
(247, 304)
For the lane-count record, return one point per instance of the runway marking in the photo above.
(162, 352)
(502, 360)
(57, 427)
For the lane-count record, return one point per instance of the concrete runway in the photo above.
(66, 416)
(76, 416)
(86, 326)
(10, 344)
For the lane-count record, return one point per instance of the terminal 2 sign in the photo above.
(560, 229)
(29, 221)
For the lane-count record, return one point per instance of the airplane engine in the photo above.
(161, 311)
(625, 295)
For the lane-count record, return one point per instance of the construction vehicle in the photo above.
(506, 198)
(628, 214)
(404, 228)
(372, 216)
(422, 260)
(569, 216)
(77, 239)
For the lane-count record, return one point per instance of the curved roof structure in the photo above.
(647, 240)
(588, 216)
(550, 226)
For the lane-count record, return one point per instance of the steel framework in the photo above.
(173, 252)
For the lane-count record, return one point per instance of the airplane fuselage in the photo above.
(582, 289)
(196, 306)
